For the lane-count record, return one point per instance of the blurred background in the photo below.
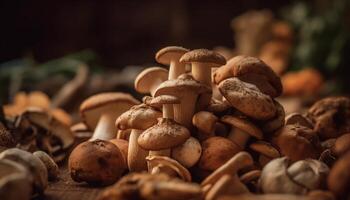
(73, 49)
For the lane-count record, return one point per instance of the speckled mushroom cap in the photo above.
(297, 142)
(243, 124)
(165, 134)
(164, 99)
(138, 117)
(203, 56)
(92, 108)
(143, 81)
(248, 99)
(183, 82)
(265, 149)
(165, 55)
(331, 116)
(251, 70)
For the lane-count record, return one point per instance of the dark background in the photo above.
(121, 32)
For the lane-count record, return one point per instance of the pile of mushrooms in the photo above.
(211, 129)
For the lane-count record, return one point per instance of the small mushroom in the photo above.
(205, 123)
(51, 166)
(339, 177)
(100, 111)
(187, 90)
(164, 164)
(297, 118)
(266, 150)
(188, 153)
(297, 142)
(241, 130)
(167, 102)
(248, 99)
(216, 151)
(32, 164)
(96, 162)
(15, 181)
(170, 56)
(219, 107)
(138, 118)
(149, 79)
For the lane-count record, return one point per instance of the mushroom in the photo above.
(138, 118)
(165, 164)
(248, 99)
(339, 177)
(170, 56)
(51, 166)
(237, 162)
(32, 164)
(275, 123)
(297, 142)
(205, 122)
(280, 176)
(297, 118)
(100, 111)
(123, 146)
(266, 150)
(96, 162)
(188, 153)
(251, 179)
(341, 145)
(15, 181)
(61, 116)
(6, 138)
(81, 132)
(331, 116)
(167, 102)
(149, 79)
(216, 151)
(241, 130)
(186, 89)
(251, 70)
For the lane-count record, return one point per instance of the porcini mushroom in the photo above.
(149, 79)
(186, 89)
(100, 111)
(138, 118)
(170, 56)
(241, 130)
(188, 153)
(248, 99)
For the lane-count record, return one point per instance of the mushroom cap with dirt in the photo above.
(100, 111)
(149, 79)
(97, 162)
(248, 99)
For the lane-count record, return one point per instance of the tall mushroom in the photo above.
(138, 118)
(100, 111)
(170, 56)
(241, 130)
(186, 89)
(149, 79)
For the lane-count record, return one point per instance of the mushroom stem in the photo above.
(176, 69)
(105, 128)
(168, 111)
(184, 111)
(202, 73)
(238, 136)
(136, 155)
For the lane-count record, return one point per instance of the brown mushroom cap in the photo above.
(144, 80)
(164, 99)
(341, 145)
(203, 56)
(165, 55)
(138, 117)
(297, 118)
(241, 66)
(164, 135)
(96, 162)
(265, 149)
(216, 151)
(205, 122)
(188, 153)
(248, 99)
(110, 102)
(275, 123)
(244, 125)
(339, 177)
(331, 116)
(297, 142)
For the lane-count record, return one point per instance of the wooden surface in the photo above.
(66, 189)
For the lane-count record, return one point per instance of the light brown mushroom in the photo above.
(241, 130)
(51, 166)
(167, 102)
(188, 153)
(123, 146)
(138, 118)
(149, 79)
(341, 145)
(170, 56)
(271, 125)
(266, 150)
(100, 111)
(205, 122)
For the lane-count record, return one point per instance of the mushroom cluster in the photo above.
(216, 124)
